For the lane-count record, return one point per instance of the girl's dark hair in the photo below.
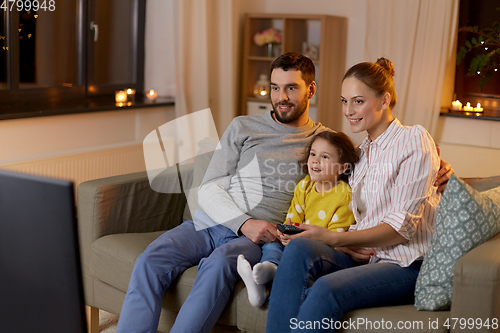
(376, 75)
(345, 148)
(297, 61)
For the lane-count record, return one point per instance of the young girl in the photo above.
(321, 198)
(394, 201)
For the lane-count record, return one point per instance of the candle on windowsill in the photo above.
(151, 96)
(130, 95)
(120, 96)
(468, 107)
(478, 108)
(456, 105)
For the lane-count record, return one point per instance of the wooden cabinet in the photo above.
(326, 34)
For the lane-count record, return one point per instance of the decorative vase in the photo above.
(273, 50)
(270, 47)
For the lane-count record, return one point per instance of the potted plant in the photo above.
(486, 46)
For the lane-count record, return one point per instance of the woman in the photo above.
(375, 263)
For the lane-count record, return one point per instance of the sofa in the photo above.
(119, 216)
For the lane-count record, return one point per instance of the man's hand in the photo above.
(444, 173)
(259, 231)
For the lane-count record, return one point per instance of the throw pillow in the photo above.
(465, 218)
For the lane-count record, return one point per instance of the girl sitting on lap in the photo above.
(322, 198)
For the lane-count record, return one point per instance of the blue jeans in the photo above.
(315, 281)
(215, 250)
(272, 252)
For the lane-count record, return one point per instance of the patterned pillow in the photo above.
(465, 218)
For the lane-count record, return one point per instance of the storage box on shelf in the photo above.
(254, 107)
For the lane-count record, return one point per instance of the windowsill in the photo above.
(485, 115)
(92, 104)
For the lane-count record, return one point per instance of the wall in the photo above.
(52, 136)
(471, 146)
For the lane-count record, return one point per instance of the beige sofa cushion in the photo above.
(483, 183)
(113, 258)
(253, 319)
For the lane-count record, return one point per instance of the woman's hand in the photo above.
(315, 232)
(357, 253)
(379, 236)
(285, 239)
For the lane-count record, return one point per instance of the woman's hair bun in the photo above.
(387, 64)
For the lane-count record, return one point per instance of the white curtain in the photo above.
(191, 57)
(418, 37)
(191, 53)
(159, 66)
(205, 55)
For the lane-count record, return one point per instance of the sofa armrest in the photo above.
(127, 204)
(482, 183)
(476, 284)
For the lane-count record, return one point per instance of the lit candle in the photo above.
(131, 95)
(151, 96)
(468, 107)
(456, 105)
(478, 108)
(120, 96)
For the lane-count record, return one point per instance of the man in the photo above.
(247, 189)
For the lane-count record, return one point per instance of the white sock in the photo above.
(264, 272)
(256, 292)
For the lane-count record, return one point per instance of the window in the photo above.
(480, 13)
(56, 56)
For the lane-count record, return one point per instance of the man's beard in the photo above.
(292, 116)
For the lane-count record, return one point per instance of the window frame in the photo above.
(139, 24)
(464, 85)
(40, 101)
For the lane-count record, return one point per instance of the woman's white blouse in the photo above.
(398, 177)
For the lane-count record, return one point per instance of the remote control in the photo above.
(289, 229)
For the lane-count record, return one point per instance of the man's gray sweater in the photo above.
(254, 170)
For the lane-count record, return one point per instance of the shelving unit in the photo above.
(327, 32)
